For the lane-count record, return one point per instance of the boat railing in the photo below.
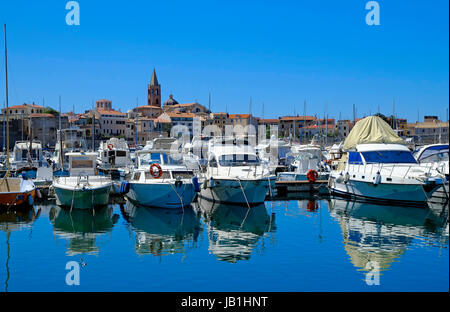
(370, 167)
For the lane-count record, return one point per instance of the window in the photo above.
(213, 162)
(390, 157)
(238, 160)
(354, 158)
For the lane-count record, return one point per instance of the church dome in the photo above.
(170, 101)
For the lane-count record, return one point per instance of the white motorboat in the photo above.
(434, 156)
(162, 179)
(309, 159)
(382, 172)
(21, 157)
(276, 153)
(114, 154)
(82, 189)
(235, 174)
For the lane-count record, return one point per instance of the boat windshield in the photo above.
(389, 157)
(434, 156)
(160, 158)
(434, 153)
(238, 160)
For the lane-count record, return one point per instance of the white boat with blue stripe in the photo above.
(161, 180)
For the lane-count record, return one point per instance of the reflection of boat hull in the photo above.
(162, 231)
(234, 230)
(400, 194)
(162, 195)
(230, 191)
(82, 198)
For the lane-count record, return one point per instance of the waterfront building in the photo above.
(431, 130)
(343, 128)
(291, 125)
(112, 122)
(23, 111)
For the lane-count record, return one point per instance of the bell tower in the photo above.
(154, 91)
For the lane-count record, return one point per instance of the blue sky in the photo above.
(277, 52)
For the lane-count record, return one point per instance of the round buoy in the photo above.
(312, 175)
(110, 146)
(158, 174)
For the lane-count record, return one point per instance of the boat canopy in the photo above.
(371, 129)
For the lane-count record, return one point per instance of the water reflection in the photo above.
(82, 227)
(234, 231)
(15, 219)
(162, 231)
(382, 233)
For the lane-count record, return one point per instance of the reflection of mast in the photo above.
(7, 260)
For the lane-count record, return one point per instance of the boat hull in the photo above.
(17, 199)
(15, 192)
(82, 199)
(161, 195)
(230, 191)
(399, 194)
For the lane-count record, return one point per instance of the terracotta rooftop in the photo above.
(180, 115)
(319, 127)
(109, 112)
(269, 121)
(41, 115)
(292, 118)
(234, 116)
(25, 106)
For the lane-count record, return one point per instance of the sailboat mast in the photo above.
(7, 106)
(61, 158)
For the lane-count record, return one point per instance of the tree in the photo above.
(49, 110)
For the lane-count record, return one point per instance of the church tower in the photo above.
(154, 91)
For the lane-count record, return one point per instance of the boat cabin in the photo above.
(21, 154)
(82, 164)
(381, 154)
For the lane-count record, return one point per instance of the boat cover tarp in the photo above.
(372, 129)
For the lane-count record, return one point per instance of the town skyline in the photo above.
(281, 64)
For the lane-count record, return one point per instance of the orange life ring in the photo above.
(312, 175)
(153, 173)
(110, 146)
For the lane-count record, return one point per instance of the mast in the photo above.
(4, 124)
(137, 121)
(93, 127)
(7, 106)
(61, 158)
(30, 148)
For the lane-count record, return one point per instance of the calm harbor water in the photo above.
(309, 244)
